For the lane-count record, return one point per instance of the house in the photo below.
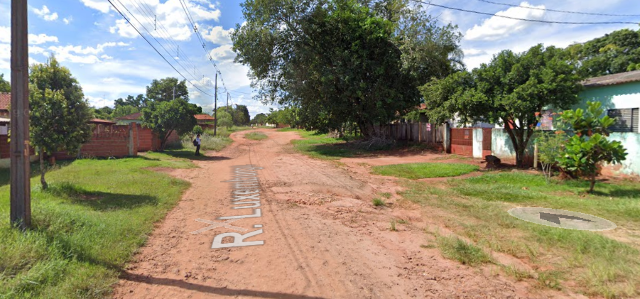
(131, 118)
(620, 97)
(5, 102)
(205, 121)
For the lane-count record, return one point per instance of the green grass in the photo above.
(378, 202)
(476, 208)
(256, 136)
(459, 250)
(85, 227)
(415, 171)
(321, 146)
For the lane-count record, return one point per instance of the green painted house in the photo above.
(620, 96)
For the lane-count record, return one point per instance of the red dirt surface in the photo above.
(323, 238)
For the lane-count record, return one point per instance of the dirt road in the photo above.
(322, 237)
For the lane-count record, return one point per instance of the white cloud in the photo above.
(223, 53)
(45, 13)
(88, 55)
(41, 39)
(473, 52)
(496, 27)
(217, 35)
(123, 29)
(34, 39)
(5, 34)
(106, 57)
(5, 56)
(165, 20)
(67, 20)
(102, 6)
(98, 102)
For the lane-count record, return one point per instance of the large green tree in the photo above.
(337, 61)
(5, 86)
(165, 117)
(509, 91)
(163, 90)
(259, 119)
(241, 115)
(616, 52)
(138, 101)
(121, 111)
(59, 113)
(105, 112)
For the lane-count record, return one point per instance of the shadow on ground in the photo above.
(223, 291)
(99, 200)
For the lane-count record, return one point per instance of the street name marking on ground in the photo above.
(562, 219)
(245, 195)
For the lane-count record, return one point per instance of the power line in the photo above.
(154, 48)
(522, 19)
(202, 41)
(562, 11)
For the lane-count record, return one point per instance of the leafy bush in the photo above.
(589, 148)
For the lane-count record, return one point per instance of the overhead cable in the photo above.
(152, 46)
(561, 11)
(523, 19)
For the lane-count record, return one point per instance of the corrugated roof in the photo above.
(101, 121)
(204, 117)
(5, 100)
(134, 116)
(615, 79)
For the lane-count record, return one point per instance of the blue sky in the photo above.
(111, 60)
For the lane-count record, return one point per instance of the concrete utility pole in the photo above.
(215, 109)
(19, 145)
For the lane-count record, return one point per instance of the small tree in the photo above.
(59, 114)
(586, 151)
(5, 86)
(197, 130)
(550, 150)
(168, 116)
(224, 119)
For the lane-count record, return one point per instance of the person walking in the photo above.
(196, 142)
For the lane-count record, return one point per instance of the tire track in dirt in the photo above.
(323, 238)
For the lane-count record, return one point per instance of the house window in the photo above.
(626, 120)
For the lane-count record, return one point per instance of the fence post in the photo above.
(131, 140)
(446, 140)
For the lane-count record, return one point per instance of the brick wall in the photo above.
(110, 142)
(149, 141)
(4, 147)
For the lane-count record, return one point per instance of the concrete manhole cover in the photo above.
(562, 219)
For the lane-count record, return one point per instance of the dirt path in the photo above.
(322, 236)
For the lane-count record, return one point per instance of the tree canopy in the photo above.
(259, 119)
(165, 117)
(59, 113)
(509, 91)
(139, 101)
(616, 52)
(162, 90)
(339, 61)
(5, 86)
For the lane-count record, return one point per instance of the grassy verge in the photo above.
(595, 263)
(85, 227)
(321, 146)
(256, 136)
(415, 171)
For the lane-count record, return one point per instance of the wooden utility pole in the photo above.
(215, 109)
(19, 145)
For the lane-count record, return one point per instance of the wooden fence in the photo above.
(417, 132)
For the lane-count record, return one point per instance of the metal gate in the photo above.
(462, 141)
(486, 142)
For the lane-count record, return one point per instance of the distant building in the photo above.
(205, 121)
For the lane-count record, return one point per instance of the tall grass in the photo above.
(85, 227)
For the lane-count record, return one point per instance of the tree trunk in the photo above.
(43, 170)
(593, 183)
